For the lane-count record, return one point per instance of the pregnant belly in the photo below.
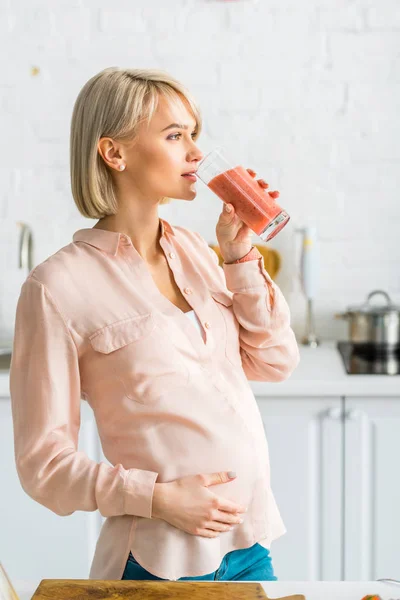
(189, 434)
(177, 451)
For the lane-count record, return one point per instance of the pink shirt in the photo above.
(91, 324)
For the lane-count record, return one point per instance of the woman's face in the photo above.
(162, 152)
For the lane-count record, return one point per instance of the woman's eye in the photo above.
(175, 136)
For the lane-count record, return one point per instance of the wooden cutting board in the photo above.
(95, 589)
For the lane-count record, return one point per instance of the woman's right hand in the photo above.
(189, 505)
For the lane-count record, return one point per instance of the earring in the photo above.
(121, 167)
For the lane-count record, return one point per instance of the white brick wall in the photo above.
(308, 94)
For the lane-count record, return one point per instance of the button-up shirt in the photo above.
(92, 325)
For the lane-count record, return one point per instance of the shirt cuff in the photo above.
(138, 492)
(251, 255)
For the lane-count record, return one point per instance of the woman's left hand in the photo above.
(234, 236)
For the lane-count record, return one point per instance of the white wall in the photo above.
(305, 93)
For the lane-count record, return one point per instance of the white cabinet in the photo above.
(334, 472)
(372, 488)
(305, 446)
(35, 543)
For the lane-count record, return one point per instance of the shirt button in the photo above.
(207, 325)
(187, 290)
(171, 255)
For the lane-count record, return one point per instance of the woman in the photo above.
(136, 317)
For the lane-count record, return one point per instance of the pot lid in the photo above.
(367, 307)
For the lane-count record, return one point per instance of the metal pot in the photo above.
(378, 325)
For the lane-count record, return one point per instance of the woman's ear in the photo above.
(109, 152)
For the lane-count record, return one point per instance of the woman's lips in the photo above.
(190, 177)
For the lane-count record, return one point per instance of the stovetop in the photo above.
(367, 360)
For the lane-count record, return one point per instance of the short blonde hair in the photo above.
(112, 104)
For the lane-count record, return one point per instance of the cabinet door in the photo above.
(35, 543)
(306, 451)
(372, 488)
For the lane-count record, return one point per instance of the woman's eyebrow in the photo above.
(177, 126)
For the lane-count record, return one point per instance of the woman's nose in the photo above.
(197, 154)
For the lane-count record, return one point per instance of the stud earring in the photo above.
(121, 167)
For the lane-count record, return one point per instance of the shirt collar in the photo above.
(109, 241)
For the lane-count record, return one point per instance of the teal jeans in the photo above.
(247, 564)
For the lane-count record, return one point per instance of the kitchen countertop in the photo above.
(320, 373)
(312, 590)
(330, 590)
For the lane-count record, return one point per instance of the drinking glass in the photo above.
(234, 185)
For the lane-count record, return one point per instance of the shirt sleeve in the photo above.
(45, 399)
(268, 346)
(253, 254)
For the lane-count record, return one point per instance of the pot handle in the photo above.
(375, 292)
(341, 315)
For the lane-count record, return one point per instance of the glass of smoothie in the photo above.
(234, 185)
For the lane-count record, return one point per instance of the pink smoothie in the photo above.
(253, 205)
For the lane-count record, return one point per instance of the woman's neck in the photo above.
(144, 231)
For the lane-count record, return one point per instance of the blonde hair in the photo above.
(112, 104)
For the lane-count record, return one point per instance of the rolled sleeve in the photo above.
(268, 345)
(138, 491)
(249, 276)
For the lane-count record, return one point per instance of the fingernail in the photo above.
(231, 474)
(228, 208)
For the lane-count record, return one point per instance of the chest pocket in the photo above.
(135, 353)
(224, 304)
